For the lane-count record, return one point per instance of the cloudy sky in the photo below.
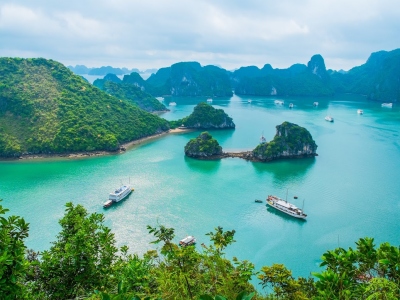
(227, 33)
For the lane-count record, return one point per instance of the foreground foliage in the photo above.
(45, 108)
(84, 263)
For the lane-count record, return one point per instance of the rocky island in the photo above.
(290, 141)
(204, 146)
(205, 116)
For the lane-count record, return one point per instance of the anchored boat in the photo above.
(118, 195)
(285, 207)
(187, 241)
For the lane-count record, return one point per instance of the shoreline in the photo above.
(77, 155)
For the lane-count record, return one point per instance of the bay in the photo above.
(350, 190)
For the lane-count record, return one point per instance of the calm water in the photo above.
(350, 190)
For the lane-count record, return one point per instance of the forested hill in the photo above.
(131, 88)
(298, 80)
(190, 79)
(45, 108)
(378, 78)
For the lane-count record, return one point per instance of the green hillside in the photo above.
(45, 108)
(190, 79)
(132, 89)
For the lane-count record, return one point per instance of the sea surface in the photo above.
(350, 190)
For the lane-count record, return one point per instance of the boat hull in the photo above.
(286, 210)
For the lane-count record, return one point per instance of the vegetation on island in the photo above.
(205, 116)
(45, 108)
(129, 90)
(85, 263)
(190, 79)
(290, 140)
(203, 146)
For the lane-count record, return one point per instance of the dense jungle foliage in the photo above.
(45, 108)
(205, 116)
(190, 79)
(85, 263)
(129, 90)
(202, 146)
(290, 140)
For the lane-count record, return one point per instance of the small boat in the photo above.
(187, 241)
(263, 140)
(328, 118)
(279, 102)
(291, 105)
(387, 105)
(295, 197)
(315, 104)
(360, 111)
(108, 203)
(285, 207)
(249, 101)
(209, 100)
(258, 201)
(160, 98)
(172, 103)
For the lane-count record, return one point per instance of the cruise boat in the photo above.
(120, 193)
(285, 207)
(328, 118)
(387, 105)
(209, 100)
(291, 105)
(360, 111)
(279, 102)
(315, 104)
(187, 241)
(172, 103)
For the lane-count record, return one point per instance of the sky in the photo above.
(227, 33)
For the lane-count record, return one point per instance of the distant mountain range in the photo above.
(378, 79)
(102, 71)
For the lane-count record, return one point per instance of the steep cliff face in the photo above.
(203, 146)
(205, 116)
(290, 141)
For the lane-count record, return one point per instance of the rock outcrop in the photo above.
(290, 141)
(205, 116)
(204, 146)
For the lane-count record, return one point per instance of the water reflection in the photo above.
(203, 166)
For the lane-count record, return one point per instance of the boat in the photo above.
(120, 193)
(279, 102)
(263, 140)
(108, 203)
(249, 101)
(258, 201)
(209, 100)
(329, 118)
(387, 105)
(187, 241)
(291, 105)
(360, 111)
(315, 104)
(172, 103)
(160, 98)
(285, 207)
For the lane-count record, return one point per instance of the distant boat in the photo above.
(291, 105)
(285, 207)
(160, 98)
(360, 111)
(187, 241)
(172, 104)
(279, 102)
(249, 101)
(118, 195)
(315, 104)
(328, 118)
(209, 100)
(258, 201)
(262, 139)
(387, 105)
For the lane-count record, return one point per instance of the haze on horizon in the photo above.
(230, 34)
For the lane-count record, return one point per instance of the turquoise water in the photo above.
(349, 191)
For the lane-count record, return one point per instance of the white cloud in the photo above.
(157, 33)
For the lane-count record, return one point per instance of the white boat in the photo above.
(160, 98)
(249, 101)
(209, 100)
(360, 111)
(285, 207)
(387, 105)
(328, 118)
(120, 193)
(279, 102)
(108, 203)
(187, 241)
(315, 104)
(172, 103)
(291, 105)
(263, 140)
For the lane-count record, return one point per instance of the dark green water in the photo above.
(350, 190)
